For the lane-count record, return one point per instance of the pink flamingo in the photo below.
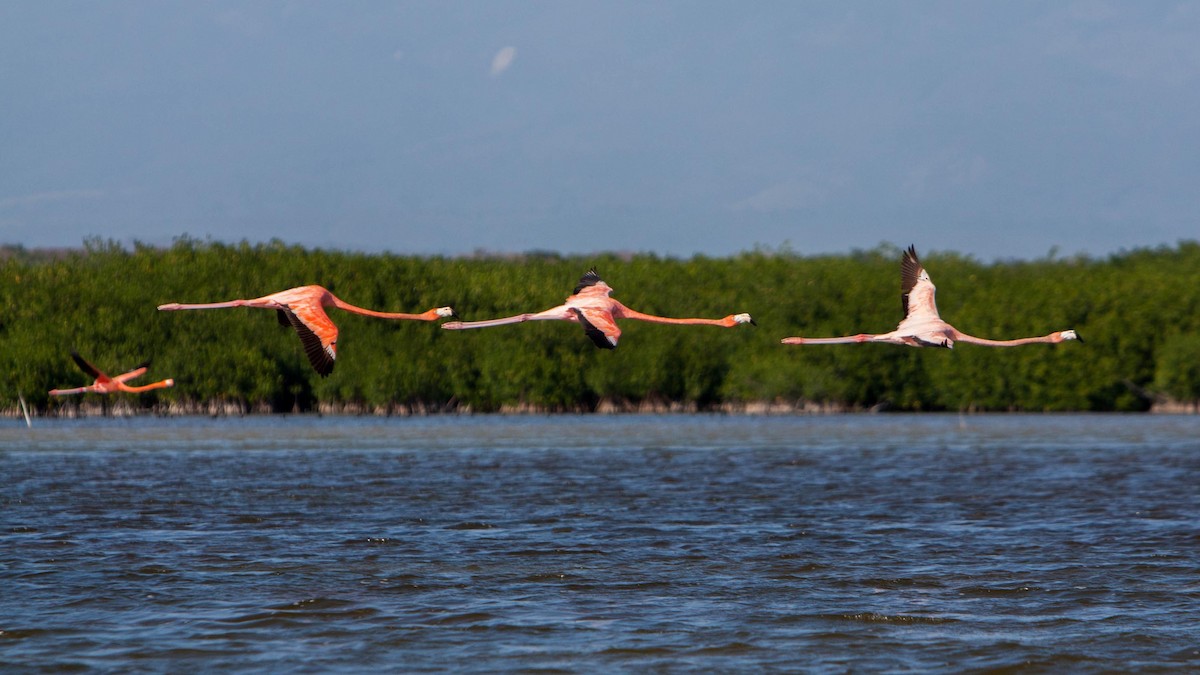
(105, 384)
(303, 309)
(590, 306)
(922, 326)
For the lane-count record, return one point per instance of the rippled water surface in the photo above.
(585, 543)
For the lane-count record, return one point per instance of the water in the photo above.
(585, 543)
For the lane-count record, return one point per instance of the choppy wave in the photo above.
(564, 544)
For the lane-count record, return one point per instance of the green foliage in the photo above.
(1136, 310)
(1177, 371)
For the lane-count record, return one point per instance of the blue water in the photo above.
(585, 543)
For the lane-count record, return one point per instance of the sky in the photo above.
(999, 130)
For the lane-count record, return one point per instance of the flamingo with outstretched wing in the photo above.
(591, 307)
(106, 385)
(922, 325)
(303, 309)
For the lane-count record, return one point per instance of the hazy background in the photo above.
(998, 129)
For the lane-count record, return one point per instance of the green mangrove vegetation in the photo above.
(1137, 312)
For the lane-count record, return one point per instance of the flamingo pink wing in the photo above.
(910, 271)
(918, 290)
(599, 326)
(318, 335)
(136, 372)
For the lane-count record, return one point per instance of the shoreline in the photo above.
(121, 409)
(117, 408)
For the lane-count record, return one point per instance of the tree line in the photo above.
(1136, 310)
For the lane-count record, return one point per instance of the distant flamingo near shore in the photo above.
(591, 307)
(922, 326)
(303, 308)
(105, 384)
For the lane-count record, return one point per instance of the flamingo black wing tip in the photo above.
(320, 360)
(591, 278)
(602, 342)
(84, 365)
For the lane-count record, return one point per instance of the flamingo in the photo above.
(590, 306)
(105, 384)
(303, 308)
(922, 326)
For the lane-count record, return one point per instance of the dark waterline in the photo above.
(583, 543)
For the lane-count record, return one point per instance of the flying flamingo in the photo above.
(303, 309)
(105, 384)
(590, 306)
(922, 327)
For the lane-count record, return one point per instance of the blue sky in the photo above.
(996, 129)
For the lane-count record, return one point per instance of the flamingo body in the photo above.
(106, 385)
(303, 309)
(922, 326)
(591, 307)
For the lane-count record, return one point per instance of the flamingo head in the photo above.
(444, 312)
(169, 382)
(744, 318)
(1068, 335)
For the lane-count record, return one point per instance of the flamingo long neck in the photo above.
(688, 322)
(343, 305)
(971, 339)
(162, 384)
(626, 313)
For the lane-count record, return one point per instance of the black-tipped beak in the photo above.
(1079, 337)
(753, 322)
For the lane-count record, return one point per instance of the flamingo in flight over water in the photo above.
(922, 326)
(591, 307)
(303, 309)
(105, 384)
